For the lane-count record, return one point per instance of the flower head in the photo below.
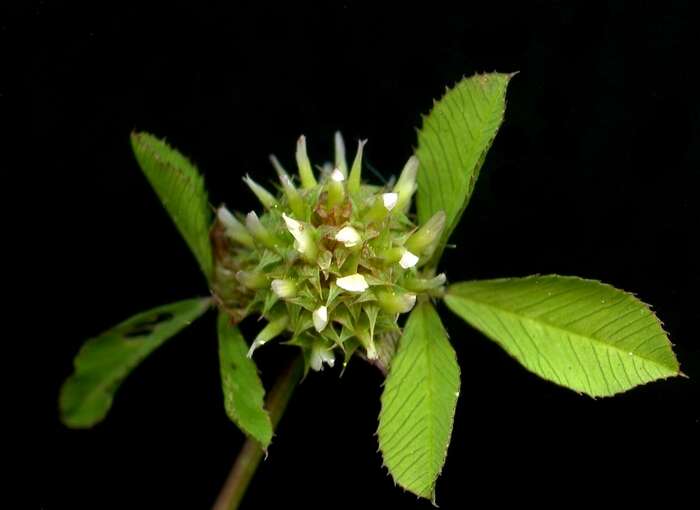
(332, 264)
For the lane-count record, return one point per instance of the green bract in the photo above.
(334, 264)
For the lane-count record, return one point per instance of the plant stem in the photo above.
(251, 454)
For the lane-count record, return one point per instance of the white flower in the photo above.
(353, 283)
(348, 236)
(390, 200)
(408, 260)
(303, 241)
(320, 318)
(321, 355)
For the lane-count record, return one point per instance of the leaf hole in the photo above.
(146, 326)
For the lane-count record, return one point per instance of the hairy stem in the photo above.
(251, 454)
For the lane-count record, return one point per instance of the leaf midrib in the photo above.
(578, 336)
(431, 391)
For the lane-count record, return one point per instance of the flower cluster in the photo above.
(332, 262)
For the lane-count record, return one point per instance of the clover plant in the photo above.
(340, 268)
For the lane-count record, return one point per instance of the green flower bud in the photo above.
(399, 254)
(266, 198)
(340, 161)
(274, 328)
(423, 240)
(308, 181)
(320, 354)
(259, 232)
(252, 279)
(396, 302)
(295, 201)
(336, 188)
(367, 341)
(381, 207)
(284, 289)
(356, 171)
(406, 185)
(233, 228)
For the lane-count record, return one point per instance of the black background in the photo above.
(594, 173)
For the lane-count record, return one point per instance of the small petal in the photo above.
(337, 175)
(408, 260)
(320, 318)
(353, 283)
(292, 224)
(348, 236)
(390, 200)
(380, 208)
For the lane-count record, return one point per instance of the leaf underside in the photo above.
(244, 394)
(104, 361)
(418, 403)
(452, 145)
(581, 334)
(180, 188)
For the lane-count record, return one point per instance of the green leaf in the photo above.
(452, 146)
(104, 361)
(180, 188)
(418, 403)
(578, 333)
(244, 394)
